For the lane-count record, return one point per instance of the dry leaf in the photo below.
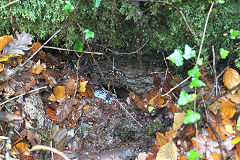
(178, 121)
(156, 101)
(63, 111)
(1, 67)
(227, 110)
(71, 86)
(59, 92)
(231, 78)
(82, 87)
(17, 46)
(157, 81)
(38, 68)
(234, 97)
(4, 40)
(161, 139)
(167, 152)
(215, 107)
(36, 46)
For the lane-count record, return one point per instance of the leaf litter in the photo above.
(87, 121)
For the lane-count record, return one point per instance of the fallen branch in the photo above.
(54, 150)
(9, 4)
(22, 95)
(70, 50)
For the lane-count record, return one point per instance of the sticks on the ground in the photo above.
(54, 150)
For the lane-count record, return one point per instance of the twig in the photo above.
(188, 26)
(42, 46)
(204, 32)
(13, 28)
(9, 4)
(122, 53)
(215, 133)
(54, 150)
(185, 80)
(5, 18)
(22, 95)
(70, 50)
(128, 113)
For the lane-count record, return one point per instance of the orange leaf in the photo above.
(36, 46)
(227, 110)
(1, 67)
(52, 97)
(4, 40)
(59, 92)
(231, 78)
(161, 139)
(37, 68)
(156, 101)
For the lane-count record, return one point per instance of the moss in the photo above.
(117, 24)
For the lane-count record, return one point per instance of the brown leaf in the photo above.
(227, 110)
(168, 151)
(234, 97)
(49, 76)
(17, 46)
(231, 78)
(71, 86)
(178, 121)
(36, 46)
(38, 68)
(161, 139)
(4, 40)
(59, 91)
(63, 111)
(215, 107)
(157, 81)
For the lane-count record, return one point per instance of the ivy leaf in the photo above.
(68, 6)
(191, 117)
(200, 61)
(88, 34)
(238, 124)
(79, 45)
(234, 33)
(193, 155)
(194, 72)
(196, 83)
(223, 53)
(176, 57)
(184, 98)
(189, 52)
(220, 1)
(96, 3)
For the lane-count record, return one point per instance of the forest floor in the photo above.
(51, 109)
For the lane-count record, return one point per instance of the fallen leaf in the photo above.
(156, 101)
(82, 87)
(168, 151)
(215, 107)
(157, 81)
(38, 68)
(59, 92)
(63, 111)
(71, 86)
(36, 46)
(1, 67)
(231, 78)
(227, 110)
(17, 46)
(4, 40)
(234, 97)
(161, 139)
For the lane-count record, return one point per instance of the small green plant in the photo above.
(193, 155)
